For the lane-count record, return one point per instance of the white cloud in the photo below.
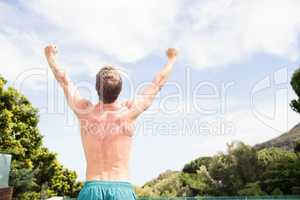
(128, 31)
(209, 33)
(221, 32)
(21, 50)
(251, 129)
(19, 56)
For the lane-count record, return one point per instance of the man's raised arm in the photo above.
(75, 101)
(149, 93)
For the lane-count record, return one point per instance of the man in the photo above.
(107, 127)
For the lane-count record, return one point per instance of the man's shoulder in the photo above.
(83, 107)
(127, 103)
(84, 104)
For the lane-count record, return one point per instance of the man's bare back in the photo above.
(106, 135)
(107, 127)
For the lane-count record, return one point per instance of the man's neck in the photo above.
(108, 106)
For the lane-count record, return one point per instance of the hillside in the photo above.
(286, 140)
(241, 171)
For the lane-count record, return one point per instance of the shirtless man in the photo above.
(107, 127)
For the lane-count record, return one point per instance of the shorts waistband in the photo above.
(111, 184)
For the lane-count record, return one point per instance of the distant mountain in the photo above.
(285, 141)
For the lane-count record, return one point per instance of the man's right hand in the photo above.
(50, 51)
(172, 54)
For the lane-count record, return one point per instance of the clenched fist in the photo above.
(172, 53)
(50, 50)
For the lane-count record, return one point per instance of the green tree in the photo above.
(279, 169)
(168, 184)
(35, 171)
(232, 171)
(194, 165)
(251, 189)
(295, 83)
(199, 183)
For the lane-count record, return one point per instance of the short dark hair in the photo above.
(108, 84)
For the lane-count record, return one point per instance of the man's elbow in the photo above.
(63, 79)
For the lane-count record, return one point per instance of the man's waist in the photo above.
(110, 175)
(108, 183)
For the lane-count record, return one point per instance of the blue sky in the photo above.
(231, 81)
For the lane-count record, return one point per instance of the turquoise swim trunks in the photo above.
(107, 190)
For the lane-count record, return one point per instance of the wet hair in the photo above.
(108, 84)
